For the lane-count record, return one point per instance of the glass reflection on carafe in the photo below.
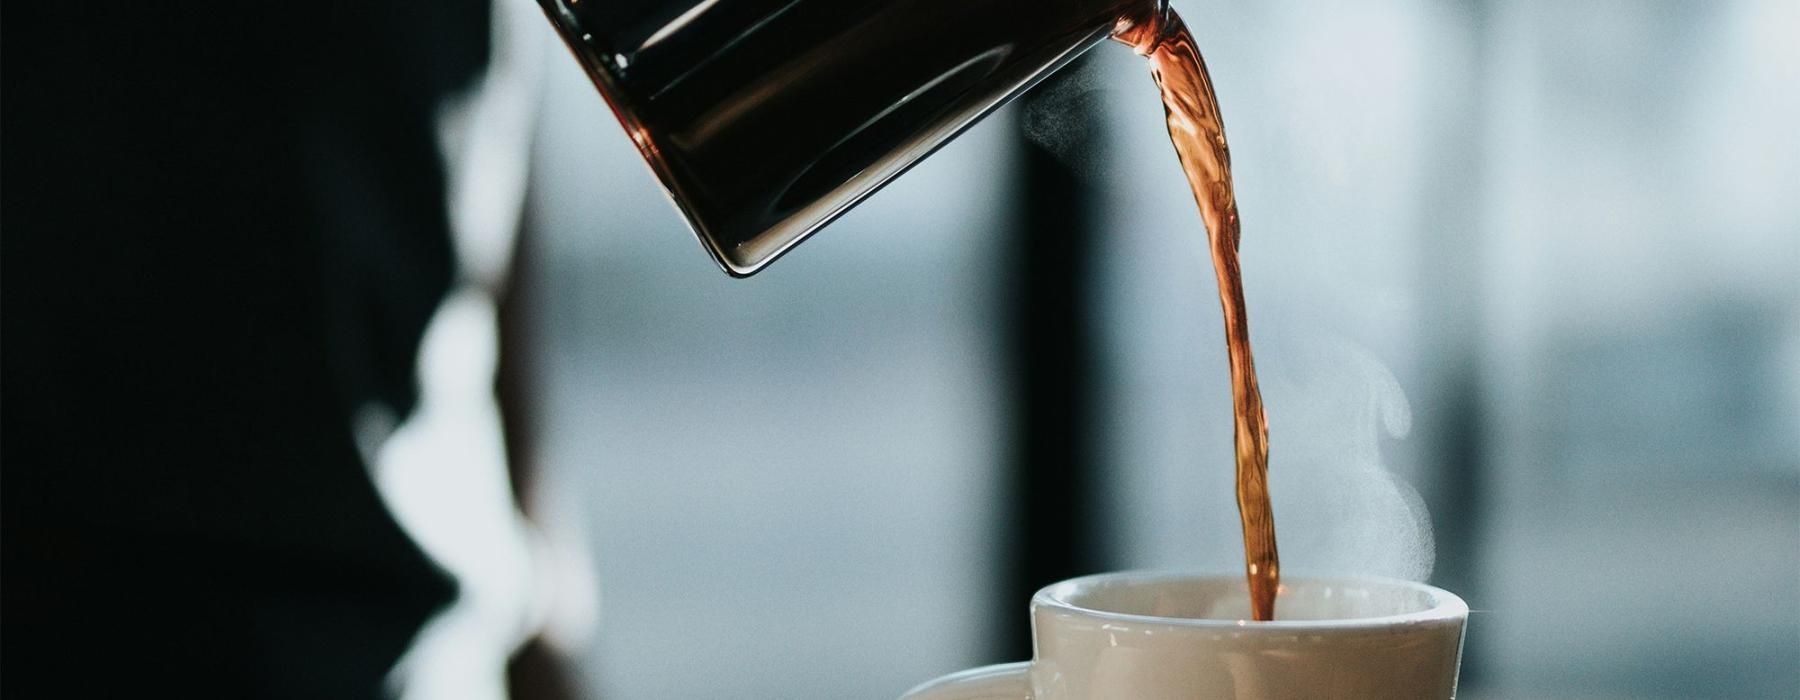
(766, 119)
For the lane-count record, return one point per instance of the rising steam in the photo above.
(1065, 117)
(1338, 510)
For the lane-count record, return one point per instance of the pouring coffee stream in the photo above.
(1198, 133)
(766, 119)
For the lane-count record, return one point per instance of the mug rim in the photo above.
(1445, 606)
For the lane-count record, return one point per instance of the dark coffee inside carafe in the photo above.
(765, 119)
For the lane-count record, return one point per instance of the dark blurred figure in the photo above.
(224, 234)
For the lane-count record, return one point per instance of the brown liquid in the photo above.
(1199, 136)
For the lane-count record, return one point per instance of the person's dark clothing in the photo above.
(223, 233)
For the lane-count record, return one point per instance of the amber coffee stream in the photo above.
(1199, 138)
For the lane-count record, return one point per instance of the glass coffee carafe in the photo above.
(766, 119)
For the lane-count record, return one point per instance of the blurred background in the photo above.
(1531, 267)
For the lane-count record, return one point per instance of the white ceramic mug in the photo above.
(1146, 636)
